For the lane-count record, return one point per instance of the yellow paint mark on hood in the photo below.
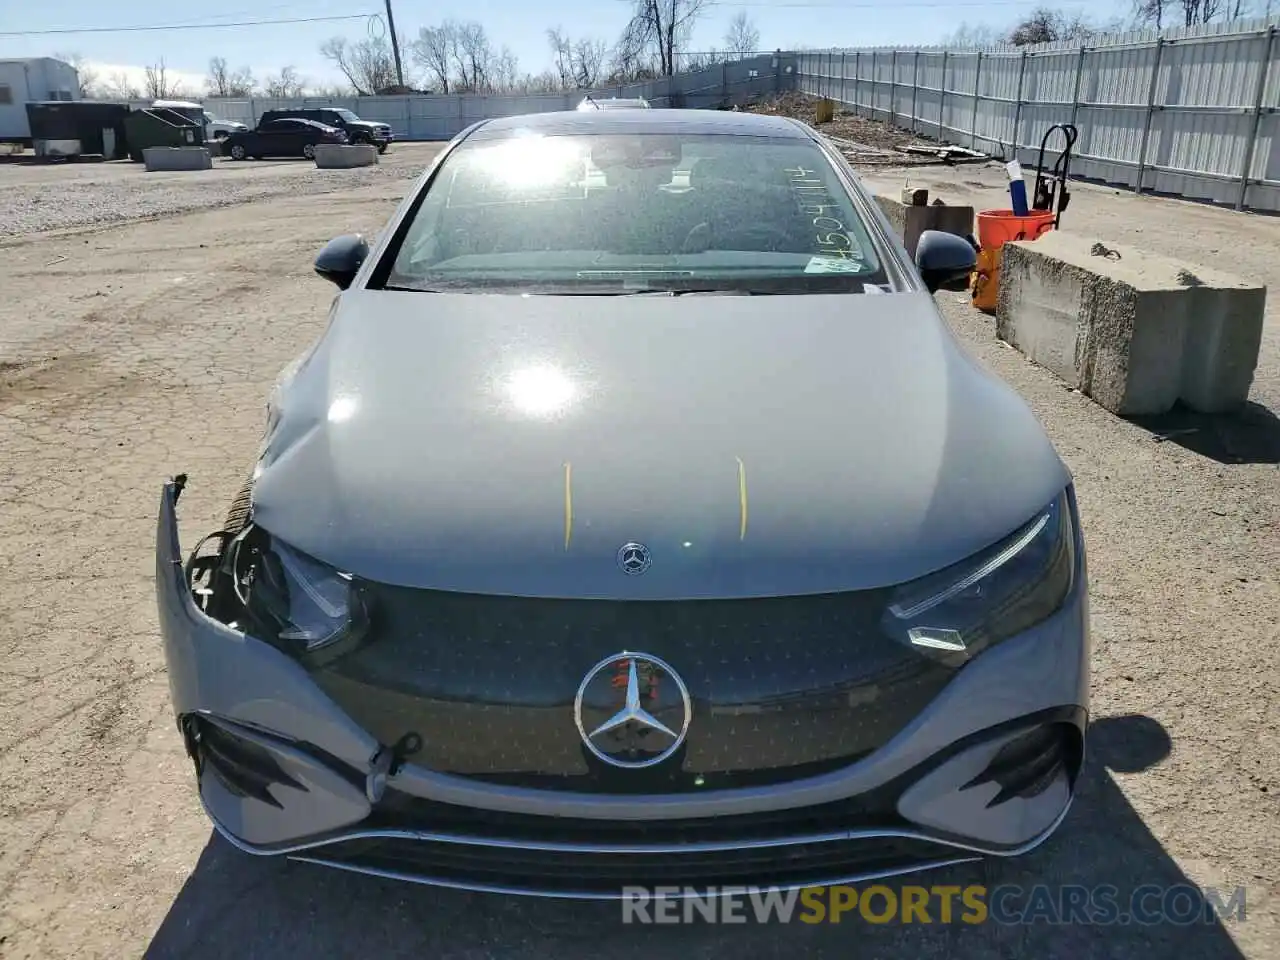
(568, 504)
(742, 499)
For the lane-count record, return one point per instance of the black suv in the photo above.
(357, 130)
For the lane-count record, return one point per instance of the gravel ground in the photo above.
(41, 197)
(146, 349)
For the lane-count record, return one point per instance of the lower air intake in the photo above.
(1027, 765)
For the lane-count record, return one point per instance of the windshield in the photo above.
(636, 213)
(347, 115)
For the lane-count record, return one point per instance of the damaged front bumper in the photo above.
(282, 769)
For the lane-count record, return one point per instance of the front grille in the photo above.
(608, 874)
(875, 809)
(781, 687)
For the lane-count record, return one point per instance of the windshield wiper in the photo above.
(698, 291)
(577, 291)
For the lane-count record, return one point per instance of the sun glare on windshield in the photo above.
(531, 161)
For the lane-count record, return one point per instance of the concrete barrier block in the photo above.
(343, 156)
(911, 220)
(1133, 331)
(177, 158)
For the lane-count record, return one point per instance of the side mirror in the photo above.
(945, 260)
(341, 258)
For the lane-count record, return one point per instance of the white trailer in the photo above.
(24, 81)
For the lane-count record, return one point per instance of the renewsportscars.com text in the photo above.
(1182, 905)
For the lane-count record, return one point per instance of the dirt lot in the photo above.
(138, 351)
(53, 196)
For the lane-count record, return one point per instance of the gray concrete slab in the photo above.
(177, 158)
(910, 221)
(344, 156)
(1132, 330)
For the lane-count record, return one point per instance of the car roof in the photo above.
(569, 122)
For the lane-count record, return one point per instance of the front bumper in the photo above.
(988, 768)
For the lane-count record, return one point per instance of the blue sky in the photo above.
(519, 24)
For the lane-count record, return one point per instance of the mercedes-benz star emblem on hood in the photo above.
(634, 558)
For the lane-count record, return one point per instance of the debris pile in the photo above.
(867, 142)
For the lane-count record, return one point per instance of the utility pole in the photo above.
(395, 44)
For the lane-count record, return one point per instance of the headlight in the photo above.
(303, 604)
(955, 613)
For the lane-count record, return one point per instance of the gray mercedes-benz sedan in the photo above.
(636, 520)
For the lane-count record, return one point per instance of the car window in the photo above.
(621, 213)
(346, 115)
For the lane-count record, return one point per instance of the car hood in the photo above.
(754, 445)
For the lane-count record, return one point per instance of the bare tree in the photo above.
(434, 52)
(561, 57)
(368, 65)
(333, 90)
(658, 29)
(1150, 12)
(577, 63)
(218, 80)
(632, 64)
(1191, 12)
(1202, 11)
(1046, 25)
(285, 84)
(974, 35)
(742, 38)
(504, 72)
(588, 62)
(119, 87)
(701, 60)
(545, 82)
(222, 82)
(473, 57)
(161, 86)
(241, 84)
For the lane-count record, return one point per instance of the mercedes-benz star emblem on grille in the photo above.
(634, 558)
(632, 710)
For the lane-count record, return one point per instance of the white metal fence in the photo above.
(1190, 112)
(441, 117)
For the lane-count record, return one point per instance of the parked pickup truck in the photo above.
(357, 130)
(214, 127)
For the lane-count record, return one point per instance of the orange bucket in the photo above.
(995, 229)
(998, 227)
